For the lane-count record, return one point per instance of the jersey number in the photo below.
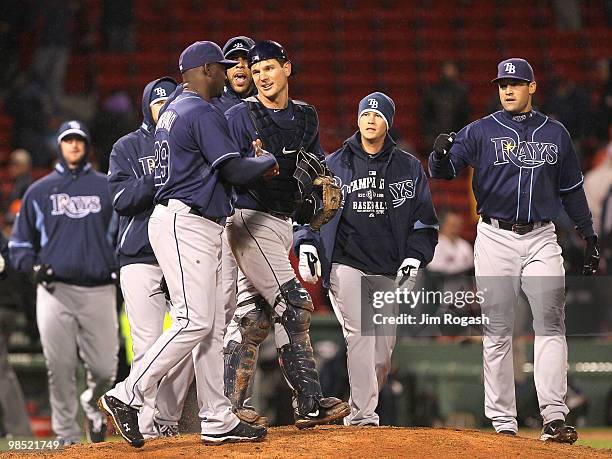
(162, 159)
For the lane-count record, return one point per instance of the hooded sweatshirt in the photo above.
(63, 222)
(364, 239)
(387, 213)
(131, 184)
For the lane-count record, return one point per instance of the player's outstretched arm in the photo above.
(240, 171)
(440, 164)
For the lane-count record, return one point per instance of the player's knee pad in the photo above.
(297, 358)
(255, 325)
(240, 359)
(295, 295)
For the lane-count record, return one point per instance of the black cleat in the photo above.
(166, 430)
(329, 409)
(510, 433)
(559, 432)
(242, 432)
(125, 419)
(95, 431)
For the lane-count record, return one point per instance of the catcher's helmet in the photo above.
(264, 50)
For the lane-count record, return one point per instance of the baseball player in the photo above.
(387, 226)
(239, 84)
(61, 235)
(132, 187)
(260, 235)
(195, 163)
(525, 167)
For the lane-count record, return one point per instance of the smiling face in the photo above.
(239, 76)
(271, 79)
(515, 95)
(372, 126)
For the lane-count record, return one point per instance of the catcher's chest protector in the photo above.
(279, 194)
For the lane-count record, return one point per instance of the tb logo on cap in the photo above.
(509, 67)
(161, 92)
(373, 103)
(74, 125)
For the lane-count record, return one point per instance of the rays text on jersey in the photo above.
(525, 154)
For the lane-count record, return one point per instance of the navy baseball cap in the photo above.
(200, 53)
(265, 50)
(72, 128)
(240, 44)
(515, 68)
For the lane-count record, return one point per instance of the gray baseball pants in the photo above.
(188, 249)
(509, 265)
(368, 357)
(77, 321)
(145, 306)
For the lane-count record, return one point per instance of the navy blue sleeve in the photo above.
(25, 239)
(462, 154)
(576, 206)
(241, 129)
(570, 176)
(240, 171)
(130, 193)
(422, 242)
(303, 234)
(212, 136)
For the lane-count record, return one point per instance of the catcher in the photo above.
(387, 227)
(260, 234)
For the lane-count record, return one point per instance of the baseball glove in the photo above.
(331, 197)
(316, 181)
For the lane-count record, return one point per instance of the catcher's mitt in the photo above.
(315, 180)
(331, 197)
(307, 169)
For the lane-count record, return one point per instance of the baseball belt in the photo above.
(518, 228)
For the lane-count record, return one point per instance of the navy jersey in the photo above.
(63, 221)
(130, 180)
(522, 165)
(243, 133)
(191, 142)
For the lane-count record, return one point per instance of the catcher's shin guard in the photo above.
(240, 359)
(296, 358)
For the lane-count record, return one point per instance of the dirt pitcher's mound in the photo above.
(342, 442)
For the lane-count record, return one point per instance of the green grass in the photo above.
(596, 443)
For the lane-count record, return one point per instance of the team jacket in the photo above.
(412, 220)
(63, 222)
(522, 165)
(132, 187)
